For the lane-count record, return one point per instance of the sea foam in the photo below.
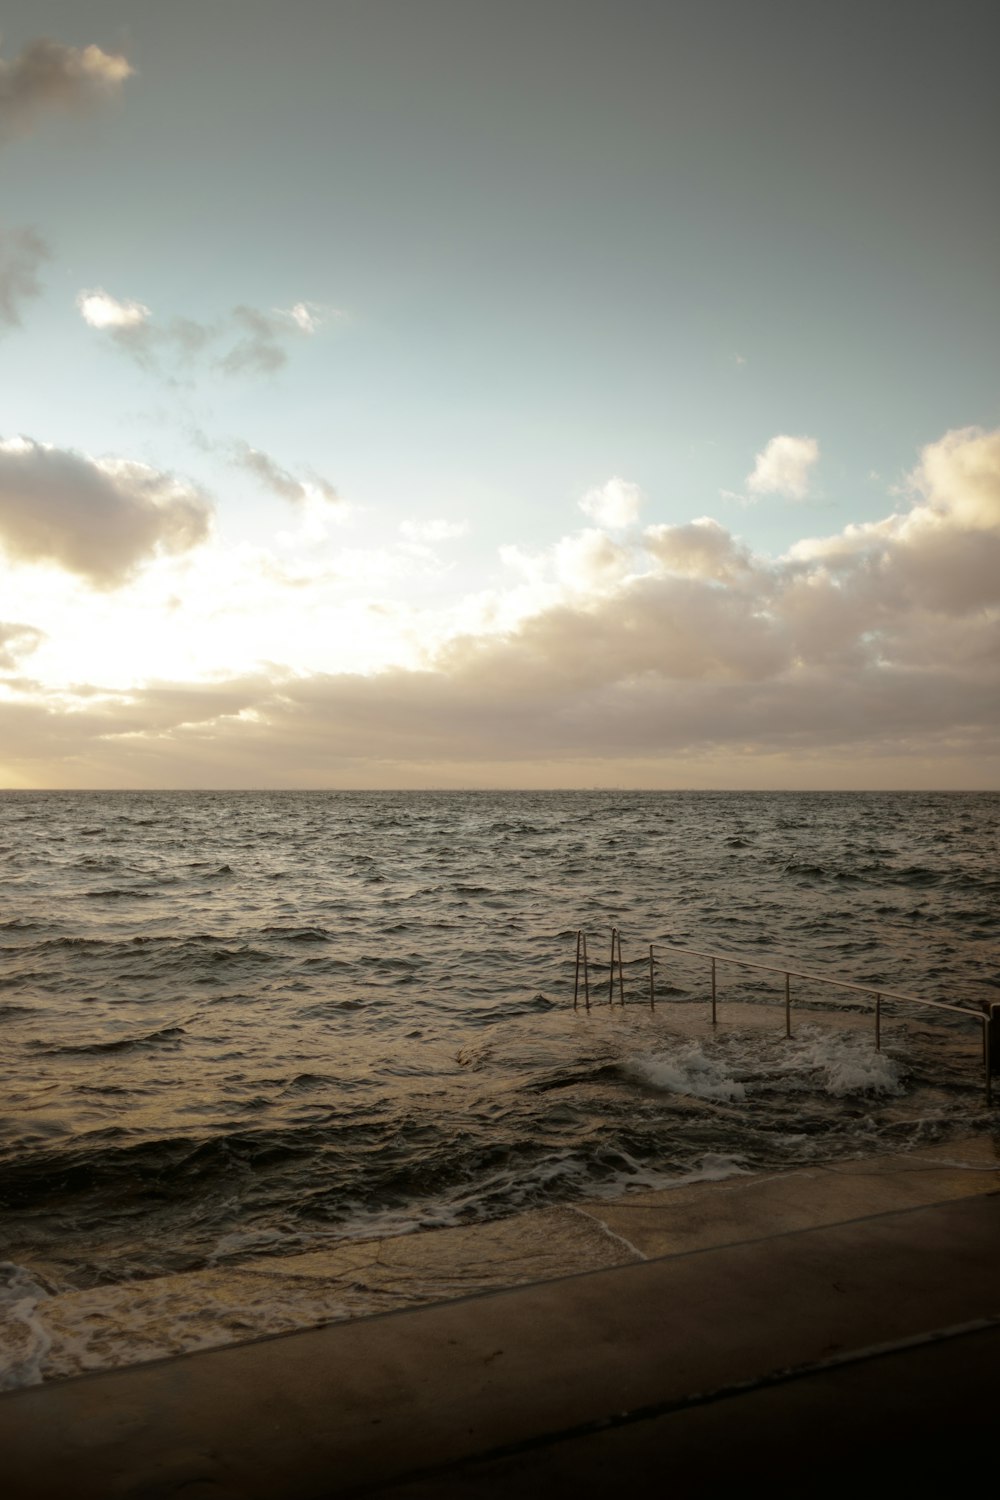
(831, 1062)
(26, 1341)
(689, 1071)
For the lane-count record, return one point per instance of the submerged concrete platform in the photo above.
(786, 1329)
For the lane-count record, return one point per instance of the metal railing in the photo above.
(988, 1019)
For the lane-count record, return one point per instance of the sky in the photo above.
(439, 393)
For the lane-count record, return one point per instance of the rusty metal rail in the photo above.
(988, 1019)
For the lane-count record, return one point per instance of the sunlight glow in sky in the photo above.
(437, 393)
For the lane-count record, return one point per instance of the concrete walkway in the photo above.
(754, 1346)
(73, 1332)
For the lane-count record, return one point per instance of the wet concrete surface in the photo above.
(72, 1332)
(799, 1344)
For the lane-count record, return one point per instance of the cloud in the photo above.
(875, 648)
(885, 643)
(257, 340)
(22, 251)
(50, 77)
(959, 476)
(435, 530)
(309, 317)
(589, 562)
(943, 553)
(17, 641)
(784, 467)
(130, 325)
(280, 481)
(98, 518)
(615, 504)
(259, 350)
(101, 310)
(701, 549)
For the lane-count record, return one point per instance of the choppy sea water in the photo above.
(237, 1023)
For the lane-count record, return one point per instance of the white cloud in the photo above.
(101, 310)
(615, 504)
(589, 562)
(784, 467)
(48, 76)
(435, 530)
(308, 317)
(98, 518)
(701, 549)
(22, 251)
(127, 323)
(585, 564)
(960, 477)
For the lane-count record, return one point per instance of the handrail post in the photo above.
(586, 972)
(878, 1023)
(621, 973)
(991, 1045)
(988, 1044)
(714, 1022)
(652, 982)
(788, 1004)
(580, 957)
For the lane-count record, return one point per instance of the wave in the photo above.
(492, 1015)
(841, 1064)
(831, 1062)
(299, 934)
(129, 893)
(115, 1044)
(244, 953)
(687, 1072)
(883, 873)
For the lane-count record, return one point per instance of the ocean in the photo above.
(252, 1023)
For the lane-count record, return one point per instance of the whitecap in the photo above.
(688, 1070)
(841, 1063)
